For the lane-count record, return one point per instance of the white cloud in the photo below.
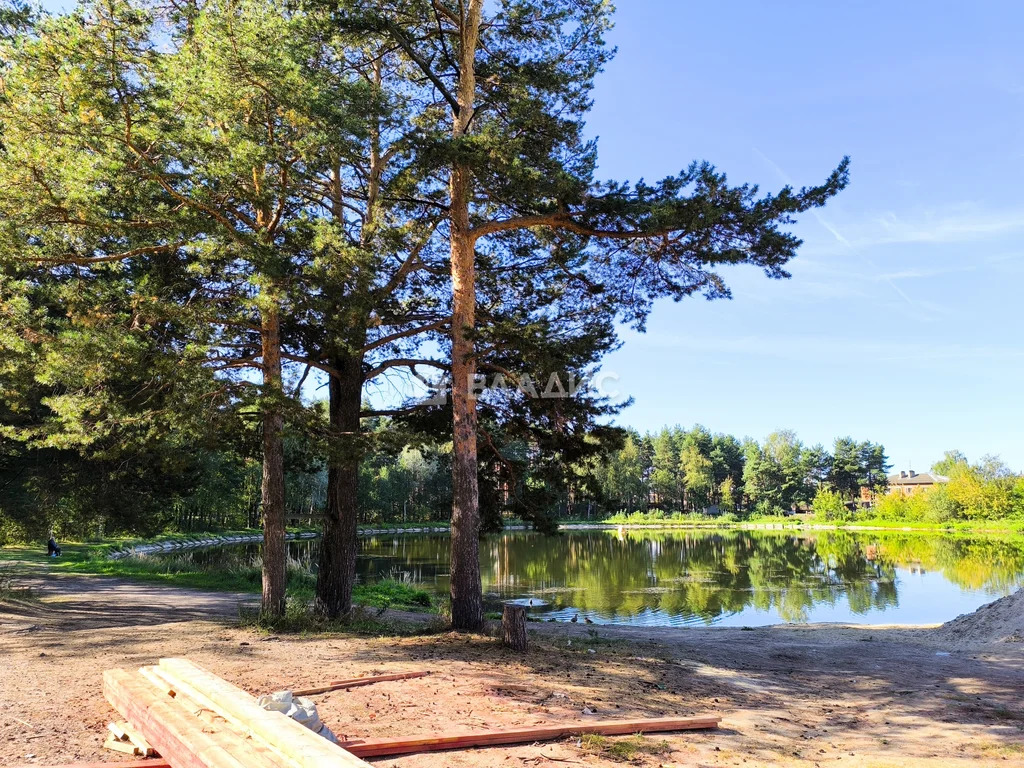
(797, 348)
(949, 224)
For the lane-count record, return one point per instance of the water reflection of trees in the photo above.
(701, 576)
(688, 576)
(694, 575)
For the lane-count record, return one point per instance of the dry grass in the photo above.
(628, 749)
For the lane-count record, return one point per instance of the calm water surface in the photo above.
(730, 578)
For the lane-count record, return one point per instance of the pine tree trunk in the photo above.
(274, 552)
(337, 565)
(466, 590)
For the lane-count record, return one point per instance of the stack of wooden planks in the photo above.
(194, 719)
(124, 738)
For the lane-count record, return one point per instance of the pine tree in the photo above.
(520, 170)
(665, 475)
(845, 474)
(697, 468)
(182, 137)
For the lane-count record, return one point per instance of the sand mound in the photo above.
(1001, 621)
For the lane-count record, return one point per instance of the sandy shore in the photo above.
(793, 696)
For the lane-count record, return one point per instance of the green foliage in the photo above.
(856, 465)
(694, 470)
(391, 593)
(986, 491)
(300, 618)
(829, 506)
(654, 517)
(949, 461)
(624, 749)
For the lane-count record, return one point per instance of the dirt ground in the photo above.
(807, 696)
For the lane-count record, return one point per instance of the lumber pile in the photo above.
(194, 719)
(467, 739)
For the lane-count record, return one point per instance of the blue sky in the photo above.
(903, 321)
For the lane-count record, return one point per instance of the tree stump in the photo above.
(513, 627)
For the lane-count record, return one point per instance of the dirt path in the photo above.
(790, 696)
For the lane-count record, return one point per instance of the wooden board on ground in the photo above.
(462, 740)
(118, 764)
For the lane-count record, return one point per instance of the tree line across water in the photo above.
(680, 471)
(204, 202)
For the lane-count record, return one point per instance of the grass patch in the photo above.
(1003, 750)
(300, 618)
(391, 593)
(180, 569)
(623, 750)
(596, 640)
(657, 518)
(696, 520)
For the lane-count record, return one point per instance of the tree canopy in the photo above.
(208, 201)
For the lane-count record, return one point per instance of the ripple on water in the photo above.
(528, 602)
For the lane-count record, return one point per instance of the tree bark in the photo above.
(466, 590)
(274, 552)
(513, 628)
(337, 564)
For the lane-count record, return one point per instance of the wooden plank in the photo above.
(461, 740)
(356, 682)
(283, 735)
(125, 733)
(122, 746)
(204, 713)
(118, 729)
(116, 764)
(165, 688)
(182, 739)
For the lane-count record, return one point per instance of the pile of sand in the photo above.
(999, 622)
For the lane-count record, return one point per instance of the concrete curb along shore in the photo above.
(214, 540)
(207, 540)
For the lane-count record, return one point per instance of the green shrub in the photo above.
(391, 593)
(937, 506)
(892, 506)
(829, 507)
(765, 508)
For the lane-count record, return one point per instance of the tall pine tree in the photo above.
(515, 79)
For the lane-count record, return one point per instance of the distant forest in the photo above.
(199, 486)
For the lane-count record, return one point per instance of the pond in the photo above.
(730, 578)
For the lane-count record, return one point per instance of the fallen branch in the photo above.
(356, 682)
